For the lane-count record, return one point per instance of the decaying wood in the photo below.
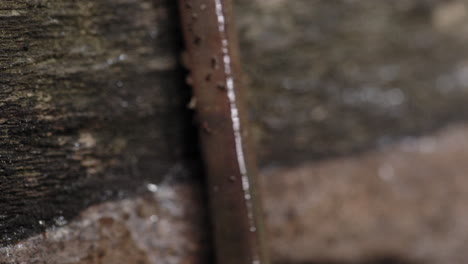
(229, 163)
(91, 106)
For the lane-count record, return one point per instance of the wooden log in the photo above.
(91, 106)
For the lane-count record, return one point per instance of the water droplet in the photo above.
(193, 103)
(60, 221)
(152, 187)
(41, 222)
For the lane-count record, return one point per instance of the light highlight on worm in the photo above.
(236, 124)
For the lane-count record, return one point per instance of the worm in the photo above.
(212, 56)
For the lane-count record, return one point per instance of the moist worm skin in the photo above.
(215, 75)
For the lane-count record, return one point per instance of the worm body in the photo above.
(214, 64)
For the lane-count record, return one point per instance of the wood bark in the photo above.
(91, 106)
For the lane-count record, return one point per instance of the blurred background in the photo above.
(358, 108)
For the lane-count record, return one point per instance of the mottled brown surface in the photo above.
(407, 201)
(165, 227)
(332, 77)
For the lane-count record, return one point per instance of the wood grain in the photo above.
(91, 106)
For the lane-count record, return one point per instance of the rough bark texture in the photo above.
(332, 77)
(91, 106)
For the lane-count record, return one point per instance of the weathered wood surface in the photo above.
(91, 106)
(332, 77)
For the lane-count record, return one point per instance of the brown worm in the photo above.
(215, 75)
